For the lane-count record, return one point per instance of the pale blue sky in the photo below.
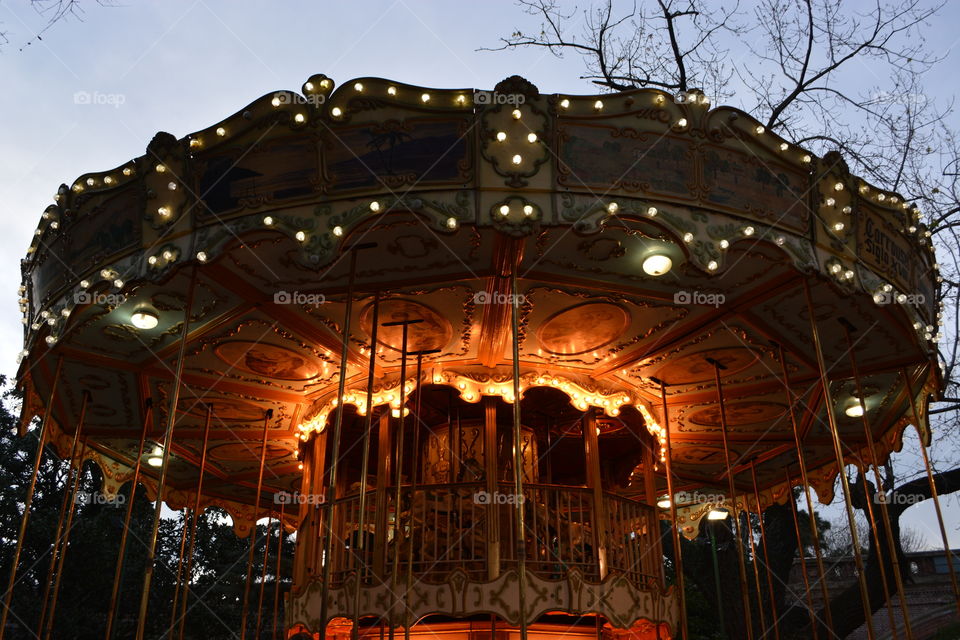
(179, 66)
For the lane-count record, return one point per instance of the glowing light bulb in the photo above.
(759, 129)
(336, 112)
(531, 138)
(564, 104)
(657, 264)
(517, 159)
(517, 114)
(501, 136)
(613, 207)
(299, 118)
(144, 319)
(221, 131)
(598, 105)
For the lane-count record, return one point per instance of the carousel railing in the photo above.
(464, 526)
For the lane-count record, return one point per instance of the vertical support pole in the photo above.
(193, 522)
(838, 455)
(65, 505)
(884, 512)
(179, 575)
(335, 445)
(383, 481)
(814, 533)
(361, 550)
(649, 455)
(253, 525)
(675, 527)
(276, 575)
(28, 500)
(592, 442)
(518, 453)
(754, 564)
(167, 446)
(803, 557)
(766, 555)
(735, 513)
(263, 576)
(933, 485)
(118, 570)
(490, 476)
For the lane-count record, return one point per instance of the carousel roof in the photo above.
(649, 233)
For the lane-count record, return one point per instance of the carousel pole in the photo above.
(65, 542)
(165, 464)
(884, 512)
(118, 571)
(398, 475)
(675, 527)
(335, 445)
(838, 454)
(815, 534)
(193, 523)
(754, 562)
(413, 481)
(365, 466)
(745, 596)
(933, 486)
(766, 554)
(64, 506)
(179, 575)
(28, 501)
(263, 577)
(276, 575)
(253, 526)
(803, 557)
(518, 455)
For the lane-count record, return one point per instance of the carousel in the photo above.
(478, 348)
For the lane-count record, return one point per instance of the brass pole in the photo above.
(398, 477)
(933, 486)
(28, 500)
(518, 455)
(884, 512)
(63, 544)
(755, 561)
(167, 446)
(65, 505)
(335, 445)
(179, 574)
(365, 467)
(838, 454)
(675, 527)
(803, 557)
(118, 570)
(766, 555)
(193, 522)
(253, 526)
(276, 575)
(263, 576)
(814, 532)
(735, 515)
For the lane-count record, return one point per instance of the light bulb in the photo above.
(657, 264)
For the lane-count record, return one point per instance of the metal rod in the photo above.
(253, 526)
(263, 577)
(675, 528)
(365, 467)
(933, 486)
(28, 500)
(335, 445)
(118, 570)
(766, 555)
(65, 505)
(716, 577)
(179, 575)
(167, 446)
(735, 515)
(803, 558)
(518, 454)
(413, 487)
(814, 532)
(838, 454)
(884, 512)
(193, 522)
(276, 575)
(754, 564)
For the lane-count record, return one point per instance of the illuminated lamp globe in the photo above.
(854, 409)
(657, 264)
(144, 318)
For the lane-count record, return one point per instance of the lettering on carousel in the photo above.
(885, 249)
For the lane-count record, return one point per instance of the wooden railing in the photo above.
(462, 526)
